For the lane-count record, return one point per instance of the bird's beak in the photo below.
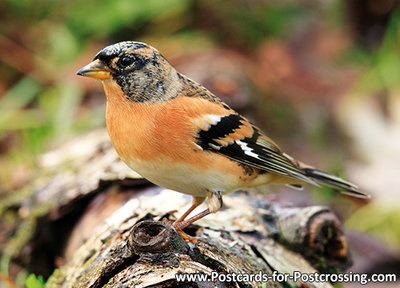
(95, 69)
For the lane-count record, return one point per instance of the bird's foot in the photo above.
(185, 236)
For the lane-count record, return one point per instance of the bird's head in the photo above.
(142, 73)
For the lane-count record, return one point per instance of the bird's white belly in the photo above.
(185, 178)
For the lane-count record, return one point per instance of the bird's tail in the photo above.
(333, 181)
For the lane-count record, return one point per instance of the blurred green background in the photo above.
(322, 78)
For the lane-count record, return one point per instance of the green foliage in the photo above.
(250, 24)
(109, 16)
(12, 102)
(34, 282)
(379, 220)
(384, 63)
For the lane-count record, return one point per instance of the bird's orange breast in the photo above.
(159, 139)
(153, 131)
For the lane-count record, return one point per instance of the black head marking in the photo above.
(120, 48)
(124, 57)
(139, 69)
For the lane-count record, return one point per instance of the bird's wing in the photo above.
(235, 137)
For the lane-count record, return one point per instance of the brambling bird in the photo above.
(177, 134)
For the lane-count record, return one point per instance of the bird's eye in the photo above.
(125, 61)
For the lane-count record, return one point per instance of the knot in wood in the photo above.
(155, 237)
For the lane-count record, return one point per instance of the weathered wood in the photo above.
(114, 232)
(109, 259)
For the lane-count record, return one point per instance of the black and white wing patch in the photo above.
(233, 136)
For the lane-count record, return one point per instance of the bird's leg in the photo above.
(182, 225)
(196, 201)
(214, 203)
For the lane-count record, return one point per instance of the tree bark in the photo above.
(128, 240)
(137, 247)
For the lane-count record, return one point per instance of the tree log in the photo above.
(137, 247)
(113, 229)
